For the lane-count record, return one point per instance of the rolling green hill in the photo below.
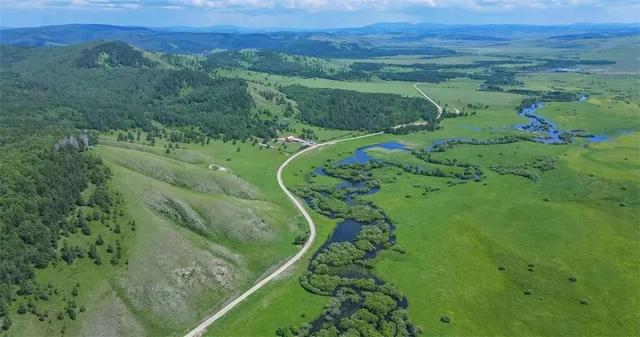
(112, 234)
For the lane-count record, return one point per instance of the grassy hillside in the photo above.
(187, 228)
(202, 233)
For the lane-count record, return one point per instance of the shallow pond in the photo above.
(361, 156)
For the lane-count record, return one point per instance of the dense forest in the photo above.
(112, 86)
(352, 110)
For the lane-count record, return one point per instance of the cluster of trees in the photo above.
(419, 76)
(447, 144)
(352, 110)
(477, 106)
(331, 203)
(308, 134)
(560, 96)
(275, 63)
(556, 95)
(71, 308)
(357, 172)
(364, 321)
(556, 64)
(272, 96)
(185, 135)
(429, 72)
(528, 170)
(517, 170)
(361, 304)
(414, 127)
(366, 66)
(454, 162)
(493, 80)
(471, 171)
(468, 173)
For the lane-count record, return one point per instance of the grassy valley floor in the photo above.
(508, 255)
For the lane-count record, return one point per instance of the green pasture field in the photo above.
(612, 108)
(237, 237)
(578, 220)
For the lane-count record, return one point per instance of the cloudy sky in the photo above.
(312, 13)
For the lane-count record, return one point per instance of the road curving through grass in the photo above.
(200, 329)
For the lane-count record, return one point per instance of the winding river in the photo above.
(544, 131)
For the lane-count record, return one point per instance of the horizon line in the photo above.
(280, 28)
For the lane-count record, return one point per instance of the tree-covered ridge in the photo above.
(352, 110)
(49, 84)
(112, 54)
(282, 64)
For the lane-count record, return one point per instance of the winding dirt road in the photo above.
(200, 329)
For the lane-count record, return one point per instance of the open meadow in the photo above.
(515, 253)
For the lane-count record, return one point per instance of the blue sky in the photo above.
(312, 13)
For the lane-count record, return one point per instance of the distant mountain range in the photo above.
(499, 30)
(320, 42)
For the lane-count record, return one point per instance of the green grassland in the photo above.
(562, 224)
(612, 107)
(233, 236)
(577, 220)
